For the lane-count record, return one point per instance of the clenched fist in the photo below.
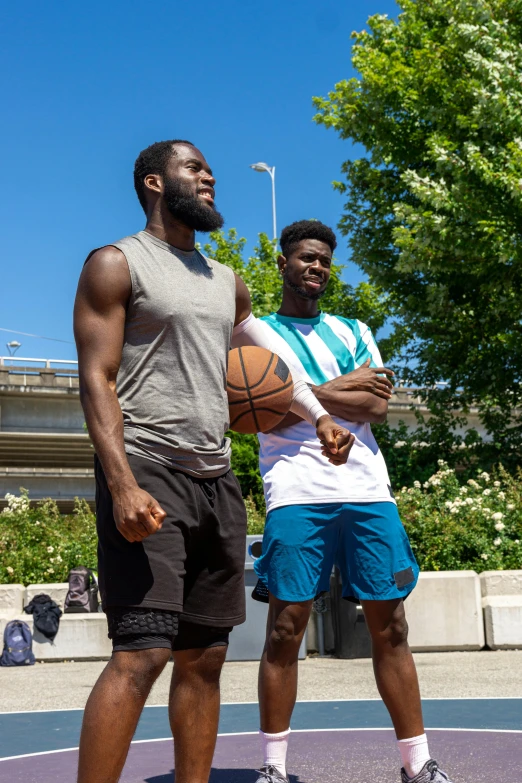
(136, 513)
(336, 440)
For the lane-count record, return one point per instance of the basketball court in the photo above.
(478, 740)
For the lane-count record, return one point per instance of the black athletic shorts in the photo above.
(194, 565)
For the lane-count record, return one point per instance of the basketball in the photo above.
(259, 388)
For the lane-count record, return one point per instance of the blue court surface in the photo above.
(476, 740)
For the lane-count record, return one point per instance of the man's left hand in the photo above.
(336, 440)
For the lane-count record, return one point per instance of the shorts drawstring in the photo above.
(209, 491)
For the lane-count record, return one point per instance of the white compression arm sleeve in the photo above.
(304, 402)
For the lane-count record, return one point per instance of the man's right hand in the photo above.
(364, 379)
(137, 514)
(336, 441)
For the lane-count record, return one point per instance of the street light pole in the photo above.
(270, 170)
(272, 175)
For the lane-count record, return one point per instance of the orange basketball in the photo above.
(259, 388)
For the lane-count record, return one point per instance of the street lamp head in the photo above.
(13, 346)
(260, 167)
(269, 170)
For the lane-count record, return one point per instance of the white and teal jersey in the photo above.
(292, 467)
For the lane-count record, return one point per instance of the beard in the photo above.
(302, 292)
(186, 207)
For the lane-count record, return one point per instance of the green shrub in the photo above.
(245, 464)
(472, 525)
(39, 545)
(255, 518)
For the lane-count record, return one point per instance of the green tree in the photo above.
(434, 208)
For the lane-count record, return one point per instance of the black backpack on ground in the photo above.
(46, 615)
(18, 645)
(82, 595)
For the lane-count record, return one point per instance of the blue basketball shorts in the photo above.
(367, 541)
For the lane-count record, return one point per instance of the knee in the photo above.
(398, 631)
(284, 639)
(211, 663)
(141, 668)
(200, 666)
(393, 634)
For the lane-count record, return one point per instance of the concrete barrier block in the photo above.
(57, 591)
(501, 583)
(6, 617)
(444, 612)
(11, 598)
(79, 636)
(503, 621)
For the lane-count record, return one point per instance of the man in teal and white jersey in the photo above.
(319, 516)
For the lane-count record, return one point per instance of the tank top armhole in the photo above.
(131, 272)
(233, 291)
(231, 275)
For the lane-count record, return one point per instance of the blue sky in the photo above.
(86, 86)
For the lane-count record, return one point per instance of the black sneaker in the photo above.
(269, 774)
(430, 773)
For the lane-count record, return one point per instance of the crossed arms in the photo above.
(359, 396)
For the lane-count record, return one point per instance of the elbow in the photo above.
(94, 383)
(380, 412)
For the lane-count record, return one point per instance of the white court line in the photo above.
(252, 733)
(301, 701)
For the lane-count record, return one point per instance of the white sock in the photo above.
(274, 749)
(414, 754)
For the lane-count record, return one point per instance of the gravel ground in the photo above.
(48, 686)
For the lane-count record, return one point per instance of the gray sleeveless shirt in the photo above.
(171, 383)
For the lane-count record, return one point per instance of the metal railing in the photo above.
(23, 371)
(48, 364)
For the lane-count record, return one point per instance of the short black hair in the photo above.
(305, 229)
(153, 160)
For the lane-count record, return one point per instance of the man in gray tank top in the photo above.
(154, 320)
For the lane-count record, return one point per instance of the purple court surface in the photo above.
(329, 756)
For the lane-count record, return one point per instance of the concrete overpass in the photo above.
(43, 443)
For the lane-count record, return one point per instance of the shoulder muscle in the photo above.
(105, 279)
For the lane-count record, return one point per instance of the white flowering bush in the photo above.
(475, 524)
(38, 544)
(16, 504)
(414, 454)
